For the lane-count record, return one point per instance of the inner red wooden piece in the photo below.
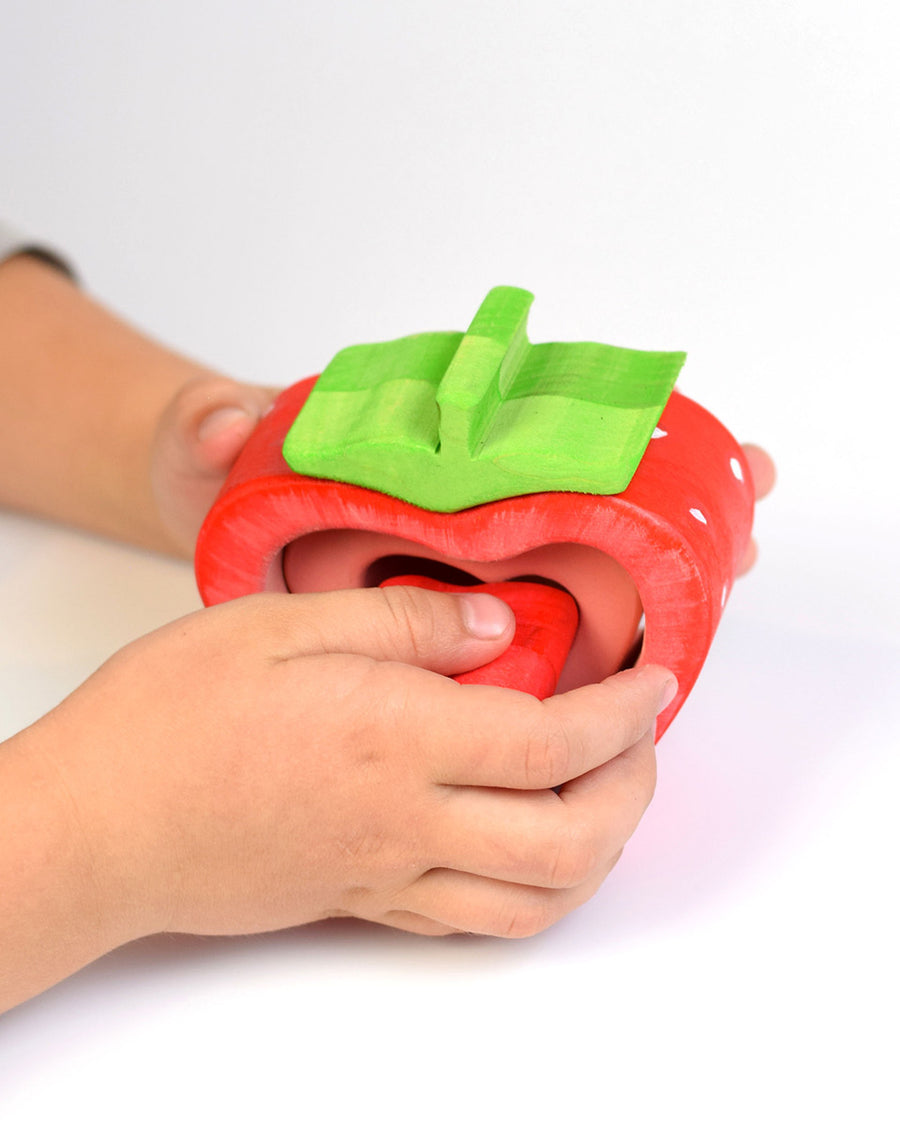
(546, 622)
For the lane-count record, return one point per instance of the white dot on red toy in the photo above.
(736, 468)
(724, 595)
(698, 515)
(659, 433)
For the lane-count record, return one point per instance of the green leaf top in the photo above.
(448, 420)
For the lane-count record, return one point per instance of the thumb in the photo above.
(198, 438)
(208, 422)
(444, 632)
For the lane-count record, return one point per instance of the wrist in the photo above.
(93, 873)
(83, 396)
(58, 913)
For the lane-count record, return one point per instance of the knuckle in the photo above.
(526, 917)
(547, 755)
(631, 700)
(199, 395)
(573, 860)
(411, 614)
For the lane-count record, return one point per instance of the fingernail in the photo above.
(669, 693)
(220, 420)
(485, 616)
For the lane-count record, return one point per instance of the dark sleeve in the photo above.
(14, 240)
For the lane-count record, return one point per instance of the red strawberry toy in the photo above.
(463, 458)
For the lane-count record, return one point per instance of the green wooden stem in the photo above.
(447, 420)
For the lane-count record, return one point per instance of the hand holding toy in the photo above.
(479, 457)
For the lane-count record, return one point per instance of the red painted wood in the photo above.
(679, 529)
(546, 620)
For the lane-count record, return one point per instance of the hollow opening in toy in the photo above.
(610, 609)
(390, 566)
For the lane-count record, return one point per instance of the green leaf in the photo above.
(447, 420)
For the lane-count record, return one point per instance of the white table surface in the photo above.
(262, 184)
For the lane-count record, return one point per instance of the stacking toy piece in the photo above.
(666, 544)
(448, 420)
(546, 620)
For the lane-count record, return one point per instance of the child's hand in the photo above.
(198, 439)
(271, 761)
(102, 426)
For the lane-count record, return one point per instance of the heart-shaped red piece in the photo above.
(546, 621)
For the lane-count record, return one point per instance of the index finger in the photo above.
(506, 739)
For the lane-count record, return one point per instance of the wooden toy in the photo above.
(479, 458)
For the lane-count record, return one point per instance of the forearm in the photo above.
(81, 394)
(53, 919)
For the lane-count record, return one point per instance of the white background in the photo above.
(262, 183)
